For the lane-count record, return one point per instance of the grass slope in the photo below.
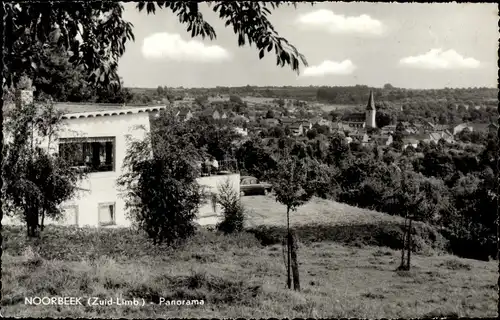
(237, 276)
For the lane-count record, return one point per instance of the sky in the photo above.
(409, 45)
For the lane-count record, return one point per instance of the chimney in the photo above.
(24, 92)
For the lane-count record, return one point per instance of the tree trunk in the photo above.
(404, 245)
(288, 245)
(295, 263)
(43, 218)
(409, 247)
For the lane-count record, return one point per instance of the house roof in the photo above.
(354, 117)
(482, 126)
(210, 111)
(389, 127)
(380, 138)
(441, 127)
(287, 120)
(183, 112)
(461, 125)
(84, 110)
(435, 135)
(410, 141)
(357, 134)
(427, 123)
(316, 119)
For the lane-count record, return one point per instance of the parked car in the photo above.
(251, 186)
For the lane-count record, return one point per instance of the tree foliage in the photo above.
(160, 187)
(36, 180)
(31, 28)
(233, 210)
(248, 19)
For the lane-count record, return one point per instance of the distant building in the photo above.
(371, 112)
(306, 126)
(388, 129)
(410, 142)
(360, 137)
(436, 136)
(287, 121)
(441, 127)
(493, 127)
(382, 140)
(184, 114)
(363, 120)
(271, 121)
(459, 128)
(427, 126)
(239, 117)
(296, 129)
(241, 131)
(213, 113)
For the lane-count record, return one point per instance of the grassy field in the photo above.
(238, 276)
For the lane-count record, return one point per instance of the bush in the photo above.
(233, 210)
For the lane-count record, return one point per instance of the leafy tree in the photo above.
(254, 159)
(276, 132)
(159, 91)
(59, 79)
(94, 34)
(290, 184)
(382, 119)
(269, 114)
(233, 210)
(36, 179)
(312, 134)
(30, 28)
(408, 198)
(202, 101)
(338, 150)
(472, 220)
(160, 184)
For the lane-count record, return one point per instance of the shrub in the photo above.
(232, 208)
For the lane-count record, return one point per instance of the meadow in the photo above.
(346, 262)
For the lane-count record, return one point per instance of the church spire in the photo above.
(371, 102)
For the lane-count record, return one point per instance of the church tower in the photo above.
(370, 113)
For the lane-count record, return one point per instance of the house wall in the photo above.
(206, 214)
(100, 187)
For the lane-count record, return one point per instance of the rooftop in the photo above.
(72, 110)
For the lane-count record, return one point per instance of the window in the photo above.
(92, 154)
(107, 214)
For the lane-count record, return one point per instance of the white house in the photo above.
(96, 136)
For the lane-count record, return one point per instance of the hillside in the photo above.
(237, 276)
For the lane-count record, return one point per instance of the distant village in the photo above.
(357, 127)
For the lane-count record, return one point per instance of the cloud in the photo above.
(171, 46)
(439, 59)
(328, 67)
(336, 23)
